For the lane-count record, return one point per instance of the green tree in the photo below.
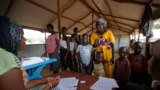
(156, 25)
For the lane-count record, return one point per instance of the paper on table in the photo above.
(82, 82)
(31, 60)
(68, 88)
(68, 83)
(110, 81)
(104, 83)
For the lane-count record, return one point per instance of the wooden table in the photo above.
(89, 80)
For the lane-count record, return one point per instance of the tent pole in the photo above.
(135, 35)
(138, 35)
(92, 21)
(147, 48)
(59, 18)
(119, 41)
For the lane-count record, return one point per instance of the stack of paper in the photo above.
(68, 83)
(104, 84)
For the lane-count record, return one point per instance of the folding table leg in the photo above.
(37, 73)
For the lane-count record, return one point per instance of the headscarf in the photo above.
(10, 34)
(101, 21)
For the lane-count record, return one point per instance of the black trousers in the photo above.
(55, 66)
(138, 77)
(68, 62)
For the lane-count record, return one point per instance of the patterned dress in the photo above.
(103, 44)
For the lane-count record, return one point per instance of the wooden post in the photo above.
(92, 21)
(45, 35)
(130, 36)
(119, 41)
(135, 35)
(147, 50)
(138, 35)
(59, 18)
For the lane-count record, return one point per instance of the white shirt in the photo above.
(85, 53)
(64, 45)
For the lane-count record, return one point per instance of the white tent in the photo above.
(123, 16)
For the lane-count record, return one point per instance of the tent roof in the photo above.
(123, 16)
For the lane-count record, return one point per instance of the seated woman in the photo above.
(12, 40)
